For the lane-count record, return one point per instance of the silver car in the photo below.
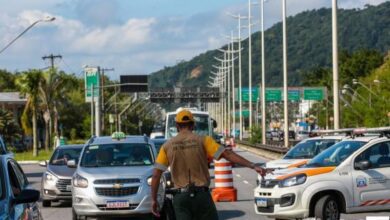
(113, 177)
(56, 181)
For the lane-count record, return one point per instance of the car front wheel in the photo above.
(327, 208)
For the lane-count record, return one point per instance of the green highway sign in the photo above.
(92, 77)
(273, 95)
(315, 94)
(245, 94)
(294, 95)
(245, 113)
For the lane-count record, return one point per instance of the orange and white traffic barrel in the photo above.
(224, 190)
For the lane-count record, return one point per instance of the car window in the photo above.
(3, 149)
(15, 186)
(22, 179)
(309, 149)
(117, 155)
(377, 154)
(62, 156)
(2, 184)
(335, 154)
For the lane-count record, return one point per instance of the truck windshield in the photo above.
(201, 125)
(309, 148)
(110, 155)
(336, 154)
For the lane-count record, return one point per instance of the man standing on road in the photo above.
(186, 155)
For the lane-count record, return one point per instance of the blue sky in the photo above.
(132, 36)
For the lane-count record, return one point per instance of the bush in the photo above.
(255, 135)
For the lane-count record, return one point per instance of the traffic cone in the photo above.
(224, 190)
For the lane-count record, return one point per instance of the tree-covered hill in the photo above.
(309, 46)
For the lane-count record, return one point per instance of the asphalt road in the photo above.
(244, 182)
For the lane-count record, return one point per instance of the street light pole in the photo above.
(48, 19)
(263, 119)
(250, 60)
(336, 107)
(285, 92)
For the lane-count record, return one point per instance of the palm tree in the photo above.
(52, 90)
(29, 83)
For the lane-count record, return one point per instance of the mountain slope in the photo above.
(309, 45)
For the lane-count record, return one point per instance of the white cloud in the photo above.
(135, 45)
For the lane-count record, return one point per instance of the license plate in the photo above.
(69, 188)
(261, 202)
(117, 204)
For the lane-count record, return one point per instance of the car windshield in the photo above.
(62, 155)
(158, 145)
(201, 125)
(336, 154)
(111, 155)
(309, 148)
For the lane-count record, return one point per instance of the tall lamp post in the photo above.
(285, 92)
(47, 19)
(336, 107)
(263, 119)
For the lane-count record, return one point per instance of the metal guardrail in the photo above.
(274, 146)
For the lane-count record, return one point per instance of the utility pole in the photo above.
(52, 58)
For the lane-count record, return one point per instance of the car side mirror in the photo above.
(215, 125)
(71, 164)
(43, 163)
(363, 165)
(27, 196)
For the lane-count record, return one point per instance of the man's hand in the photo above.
(155, 208)
(262, 171)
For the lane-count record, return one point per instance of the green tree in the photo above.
(8, 127)
(52, 90)
(29, 83)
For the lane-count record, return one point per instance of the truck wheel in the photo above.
(327, 208)
(46, 203)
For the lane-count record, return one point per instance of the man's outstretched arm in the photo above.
(235, 158)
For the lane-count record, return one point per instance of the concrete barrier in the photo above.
(271, 152)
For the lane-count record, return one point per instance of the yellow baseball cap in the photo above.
(184, 116)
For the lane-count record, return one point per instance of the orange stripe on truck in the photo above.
(298, 164)
(311, 172)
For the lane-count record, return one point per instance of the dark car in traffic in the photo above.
(17, 199)
(57, 180)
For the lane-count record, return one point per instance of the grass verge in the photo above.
(28, 156)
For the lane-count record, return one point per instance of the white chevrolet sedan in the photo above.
(113, 177)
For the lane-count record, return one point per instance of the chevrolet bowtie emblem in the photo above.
(117, 186)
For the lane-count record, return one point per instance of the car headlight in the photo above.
(79, 181)
(149, 180)
(50, 177)
(293, 181)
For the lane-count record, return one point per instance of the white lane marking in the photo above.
(238, 175)
(246, 182)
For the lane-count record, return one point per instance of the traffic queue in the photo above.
(339, 171)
